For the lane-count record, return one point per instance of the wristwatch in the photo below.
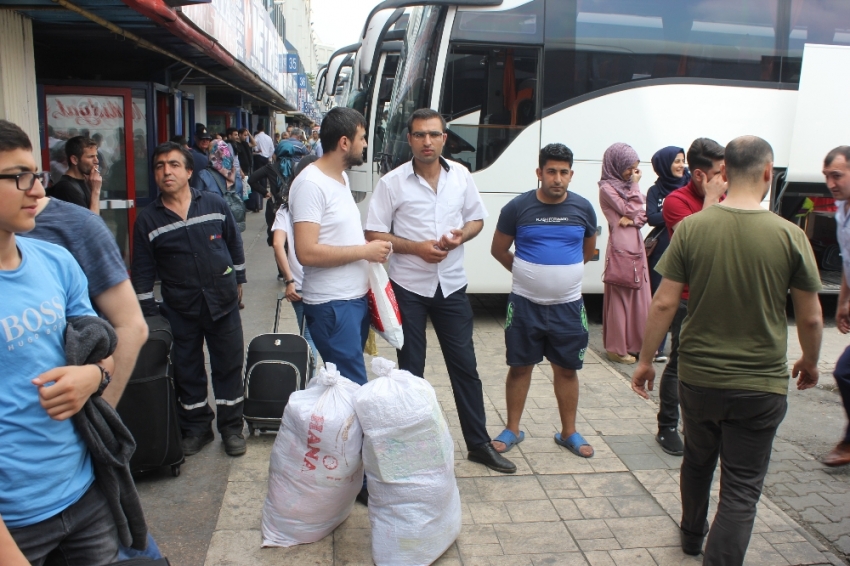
(288, 281)
(105, 379)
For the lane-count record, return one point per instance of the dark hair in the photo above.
(555, 152)
(746, 157)
(75, 147)
(178, 139)
(12, 137)
(340, 122)
(168, 147)
(423, 114)
(229, 131)
(842, 150)
(703, 153)
(260, 128)
(244, 130)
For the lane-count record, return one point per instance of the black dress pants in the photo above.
(227, 355)
(738, 427)
(452, 320)
(668, 389)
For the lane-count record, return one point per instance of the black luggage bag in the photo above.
(149, 404)
(254, 202)
(276, 365)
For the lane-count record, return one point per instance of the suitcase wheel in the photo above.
(250, 429)
(175, 470)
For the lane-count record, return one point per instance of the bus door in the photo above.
(378, 109)
(364, 177)
(802, 196)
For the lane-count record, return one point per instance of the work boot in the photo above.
(670, 441)
(193, 444)
(487, 455)
(234, 445)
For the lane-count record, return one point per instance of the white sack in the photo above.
(316, 470)
(383, 307)
(408, 453)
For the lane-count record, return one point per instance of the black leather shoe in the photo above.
(691, 545)
(193, 444)
(670, 441)
(363, 496)
(487, 455)
(234, 445)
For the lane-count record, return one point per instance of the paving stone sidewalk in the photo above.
(620, 507)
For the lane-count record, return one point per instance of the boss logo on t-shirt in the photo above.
(31, 321)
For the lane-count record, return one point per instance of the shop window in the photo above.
(100, 117)
(141, 162)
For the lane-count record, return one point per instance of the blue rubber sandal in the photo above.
(509, 439)
(573, 443)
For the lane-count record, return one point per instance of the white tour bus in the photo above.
(511, 76)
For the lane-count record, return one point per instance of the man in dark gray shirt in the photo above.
(85, 235)
(81, 184)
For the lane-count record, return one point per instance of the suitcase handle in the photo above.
(312, 361)
(302, 324)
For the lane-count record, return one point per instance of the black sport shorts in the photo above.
(557, 331)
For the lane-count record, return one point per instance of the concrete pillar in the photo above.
(18, 94)
(200, 92)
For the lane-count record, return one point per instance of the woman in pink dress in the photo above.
(625, 308)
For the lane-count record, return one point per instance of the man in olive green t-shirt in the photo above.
(739, 261)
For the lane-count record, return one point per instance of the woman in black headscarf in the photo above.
(669, 164)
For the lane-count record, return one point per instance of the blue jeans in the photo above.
(340, 330)
(83, 533)
(298, 307)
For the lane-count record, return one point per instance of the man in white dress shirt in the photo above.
(427, 208)
(264, 149)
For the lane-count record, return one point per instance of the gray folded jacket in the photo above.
(89, 339)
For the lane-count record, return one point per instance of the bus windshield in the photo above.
(414, 80)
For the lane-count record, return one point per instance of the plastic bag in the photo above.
(383, 307)
(316, 470)
(371, 347)
(408, 453)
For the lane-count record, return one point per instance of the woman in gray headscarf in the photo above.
(626, 301)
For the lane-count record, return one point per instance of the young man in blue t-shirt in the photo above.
(554, 235)
(48, 498)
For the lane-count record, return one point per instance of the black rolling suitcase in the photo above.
(149, 404)
(276, 365)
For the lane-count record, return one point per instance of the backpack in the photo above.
(289, 153)
(233, 200)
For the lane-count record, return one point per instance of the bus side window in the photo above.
(490, 94)
(597, 44)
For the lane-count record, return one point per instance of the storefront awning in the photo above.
(140, 40)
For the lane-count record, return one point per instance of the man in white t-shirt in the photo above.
(283, 243)
(264, 148)
(330, 245)
(427, 208)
